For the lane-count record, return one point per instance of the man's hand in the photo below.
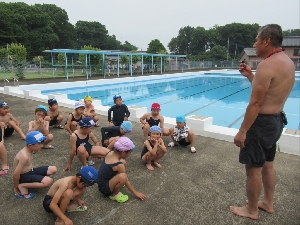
(239, 139)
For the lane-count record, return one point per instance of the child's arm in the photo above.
(109, 113)
(18, 170)
(72, 152)
(33, 125)
(150, 149)
(45, 127)
(68, 125)
(143, 118)
(94, 139)
(121, 169)
(161, 145)
(13, 119)
(54, 207)
(112, 140)
(127, 113)
(162, 122)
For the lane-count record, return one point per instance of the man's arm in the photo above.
(260, 86)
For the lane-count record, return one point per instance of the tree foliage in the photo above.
(155, 46)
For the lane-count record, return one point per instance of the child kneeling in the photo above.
(112, 173)
(154, 149)
(64, 192)
(182, 134)
(81, 147)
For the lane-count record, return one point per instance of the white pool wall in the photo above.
(288, 143)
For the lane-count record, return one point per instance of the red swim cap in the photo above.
(155, 106)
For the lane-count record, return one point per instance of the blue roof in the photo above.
(93, 52)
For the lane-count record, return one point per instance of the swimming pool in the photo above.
(221, 96)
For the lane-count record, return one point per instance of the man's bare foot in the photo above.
(157, 165)
(263, 206)
(149, 167)
(243, 211)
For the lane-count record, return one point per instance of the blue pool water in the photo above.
(223, 97)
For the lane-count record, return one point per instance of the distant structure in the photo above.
(291, 44)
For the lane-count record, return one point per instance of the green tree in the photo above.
(291, 32)
(124, 60)
(199, 41)
(17, 55)
(91, 34)
(184, 39)
(128, 47)
(135, 58)
(155, 46)
(173, 46)
(38, 60)
(219, 52)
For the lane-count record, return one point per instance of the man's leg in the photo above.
(269, 181)
(253, 188)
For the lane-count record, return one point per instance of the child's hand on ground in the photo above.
(67, 168)
(141, 196)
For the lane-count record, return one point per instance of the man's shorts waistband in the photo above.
(275, 114)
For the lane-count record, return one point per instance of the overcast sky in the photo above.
(140, 21)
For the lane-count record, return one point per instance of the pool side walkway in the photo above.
(189, 189)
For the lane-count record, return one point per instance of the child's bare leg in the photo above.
(73, 126)
(47, 118)
(147, 158)
(82, 155)
(146, 131)
(51, 170)
(191, 138)
(166, 132)
(17, 129)
(49, 138)
(46, 182)
(95, 118)
(159, 155)
(59, 120)
(99, 152)
(117, 182)
(3, 156)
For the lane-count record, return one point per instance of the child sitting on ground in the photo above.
(90, 110)
(54, 115)
(112, 173)
(182, 134)
(64, 192)
(41, 125)
(153, 119)
(3, 153)
(80, 146)
(109, 132)
(154, 149)
(25, 176)
(120, 112)
(75, 117)
(11, 124)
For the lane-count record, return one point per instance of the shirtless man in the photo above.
(25, 176)
(62, 194)
(264, 119)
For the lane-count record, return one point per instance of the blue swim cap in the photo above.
(116, 97)
(43, 107)
(155, 128)
(180, 119)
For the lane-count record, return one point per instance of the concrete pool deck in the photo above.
(189, 189)
(288, 143)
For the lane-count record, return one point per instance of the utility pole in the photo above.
(227, 48)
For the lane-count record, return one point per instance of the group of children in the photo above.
(64, 194)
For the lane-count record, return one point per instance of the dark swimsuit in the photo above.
(73, 118)
(105, 173)
(145, 150)
(152, 122)
(84, 142)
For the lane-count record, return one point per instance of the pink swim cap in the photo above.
(124, 144)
